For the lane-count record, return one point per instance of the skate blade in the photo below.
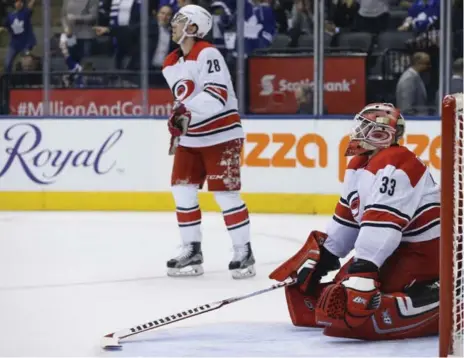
(247, 272)
(193, 270)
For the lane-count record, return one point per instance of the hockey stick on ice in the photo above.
(112, 340)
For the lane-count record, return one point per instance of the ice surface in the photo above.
(66, 279)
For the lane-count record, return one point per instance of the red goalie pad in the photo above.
(400, 315)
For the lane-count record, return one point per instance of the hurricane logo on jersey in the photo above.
(182, 89)
(354, 204)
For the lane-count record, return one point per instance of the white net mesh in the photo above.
(458, 294)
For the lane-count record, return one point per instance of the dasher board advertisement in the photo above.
(83, 155)
(272, 82)
(88, 102)
(288, 166)
(279, 156)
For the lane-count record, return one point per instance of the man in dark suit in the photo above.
(124, 28)
(160, 44)
(411, 92)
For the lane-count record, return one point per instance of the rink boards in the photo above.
(288, 165)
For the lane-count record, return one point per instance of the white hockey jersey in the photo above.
(388, 199)
(201, 81)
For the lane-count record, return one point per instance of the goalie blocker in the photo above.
(389, 213)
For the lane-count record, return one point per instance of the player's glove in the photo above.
(179, 120)
(352, 301)
(309, 264)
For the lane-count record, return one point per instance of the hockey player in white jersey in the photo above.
(389, 213)
(206, 140)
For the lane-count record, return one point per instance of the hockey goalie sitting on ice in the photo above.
(389, 213)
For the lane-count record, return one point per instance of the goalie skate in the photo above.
(242, 264)
(188, 263)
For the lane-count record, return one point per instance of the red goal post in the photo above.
(452, 223)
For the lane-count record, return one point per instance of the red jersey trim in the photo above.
(343, 212)
(423, 221)
(402, 159)
(217, 124)
(196, 49)
(358, 162)
(376, 216)
(175, 55)
(172, 58)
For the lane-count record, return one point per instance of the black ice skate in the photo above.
(242, 263)
(188, 263)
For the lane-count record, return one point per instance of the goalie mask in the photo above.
(193, 15)
(377, 126)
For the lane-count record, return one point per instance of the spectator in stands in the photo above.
(84, 79)
(282, 13)
(124, 28)
(28, 72)
(421, 16)
(22, 38)
(343, 14)
(71, 52)
(411, 92)
(104, 9)
(81, 16)
(160, 43)
(456, 85)
(223, 21)
(260, 25)
(373, 16)
(302, 17)
(304, 96)
(173, 4)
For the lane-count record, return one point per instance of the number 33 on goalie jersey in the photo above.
(387, 200)
(201, 81)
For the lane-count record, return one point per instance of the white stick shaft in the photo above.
(124, 333)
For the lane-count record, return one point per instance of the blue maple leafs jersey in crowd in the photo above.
(19, 25)
(424, 13)
(223, 20)
(260, 25)
(72, 56)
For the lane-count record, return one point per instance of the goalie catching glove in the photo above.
(351, 302)
(309, 264)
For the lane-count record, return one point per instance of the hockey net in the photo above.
(452, 225)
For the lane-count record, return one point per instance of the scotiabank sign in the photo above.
(273, 81)
(90, 102)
